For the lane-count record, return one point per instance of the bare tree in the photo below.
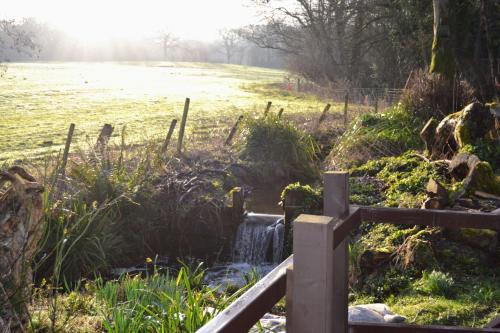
(325, 39)
(231, 42)
(167, 41)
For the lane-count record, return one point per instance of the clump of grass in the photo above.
(437, 283)
(151, 303)
(372, 136)
(278, 148)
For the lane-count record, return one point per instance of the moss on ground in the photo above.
(404, 177)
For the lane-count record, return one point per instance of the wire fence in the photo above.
(377, 98)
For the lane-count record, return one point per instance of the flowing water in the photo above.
(257, 249)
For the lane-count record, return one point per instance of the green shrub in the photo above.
(371, 136)
(275, 147)
(437, 283)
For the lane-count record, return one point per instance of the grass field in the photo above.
(38, 101)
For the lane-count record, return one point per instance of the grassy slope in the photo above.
(39, 100)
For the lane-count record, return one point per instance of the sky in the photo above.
(97, 20)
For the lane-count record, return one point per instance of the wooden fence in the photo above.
(314, 278)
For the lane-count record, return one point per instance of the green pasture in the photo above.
(38, 101)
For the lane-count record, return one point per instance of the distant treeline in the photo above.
(30, 40)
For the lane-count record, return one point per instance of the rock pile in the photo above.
(477, 187)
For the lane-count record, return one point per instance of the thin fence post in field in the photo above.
(169, 135)
(183, 126)
(66, 150)
(376, 104)
(336, 205)
(280, 113)
(233, 131)
(323, 114)
(346, 105)
(268, 107)
(104, 136)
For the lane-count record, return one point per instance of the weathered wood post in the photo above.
(66, 150)
(280, 113)
(169, 135)
(104, 136)
(238, 205)
(268, 107)
(336, 204)
(323, 114)
(376, 104)
(183, 126)
(346, 104)
(317, 301)
(233, 131)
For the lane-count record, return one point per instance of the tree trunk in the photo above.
(443, 61)
(21, 210)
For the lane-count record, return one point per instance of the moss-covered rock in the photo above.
(475, 121)
(482, 178)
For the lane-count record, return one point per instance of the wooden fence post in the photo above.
(66, 150)
(336, 205)
(268, 107)
(312, 282)
(323, 114)
(280, 113)
(318, 279)
(233, 131)
(376, 104)
(346, 103)
(183, 126)
(238, 205)
(104, 136)
(169, 135)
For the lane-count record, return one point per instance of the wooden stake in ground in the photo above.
(323, 114)
(169, 135)
(183, 126)
(346, 104)
(280, 113)
(268, 107)
(102, 140)
(376, 104)
(66, 150)
(233, 131)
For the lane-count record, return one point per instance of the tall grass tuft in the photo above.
(160, 303)
(371, 136)
(279, 148)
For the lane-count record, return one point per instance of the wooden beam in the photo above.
(336, 205)
(403, 328)
(430, 217)
(313, 275)
(344, 228)
(242, 314)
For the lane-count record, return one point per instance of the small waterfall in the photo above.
(259, 239)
